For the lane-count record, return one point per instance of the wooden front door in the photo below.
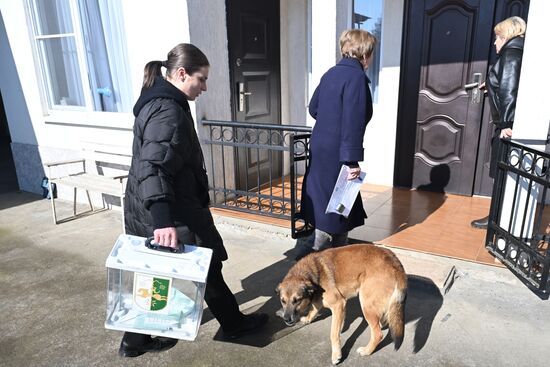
(441, 129)
(253, 29)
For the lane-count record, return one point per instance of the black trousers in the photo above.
(218, 296)
(220, 299)
(497, 153)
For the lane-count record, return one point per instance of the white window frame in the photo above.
(47, 93)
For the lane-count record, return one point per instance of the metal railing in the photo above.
(257, 168)
(518, 233)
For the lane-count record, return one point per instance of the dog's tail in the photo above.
(395, 315)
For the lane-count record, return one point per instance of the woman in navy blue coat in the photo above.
(342, 107)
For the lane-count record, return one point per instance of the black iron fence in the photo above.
(519, 221)
(258, 168)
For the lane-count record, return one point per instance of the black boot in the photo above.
(134, 345)
(481, 223)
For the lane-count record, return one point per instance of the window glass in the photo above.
(367, 15)
(60, 63)
(82, 69)
(53, 17)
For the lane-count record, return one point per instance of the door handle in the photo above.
(473, 87)
(242, 94)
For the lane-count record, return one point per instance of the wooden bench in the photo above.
(86, 175)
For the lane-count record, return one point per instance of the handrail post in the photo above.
(516, 234)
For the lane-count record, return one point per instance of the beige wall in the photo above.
(294, 73)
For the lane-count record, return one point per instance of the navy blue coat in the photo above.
(342, 107)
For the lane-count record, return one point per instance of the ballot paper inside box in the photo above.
(155, 292)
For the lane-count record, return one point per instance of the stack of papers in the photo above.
(345, 193)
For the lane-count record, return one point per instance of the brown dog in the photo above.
(329, 278)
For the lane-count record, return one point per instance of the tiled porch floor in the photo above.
(435, 223)
(416, 220)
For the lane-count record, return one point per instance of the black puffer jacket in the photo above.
(167, 183)
(503, 82)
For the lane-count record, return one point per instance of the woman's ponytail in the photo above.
(151, 70)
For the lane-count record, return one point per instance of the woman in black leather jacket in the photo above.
(502, 87)
(167, 191)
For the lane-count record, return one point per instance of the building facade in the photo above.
(71, 71)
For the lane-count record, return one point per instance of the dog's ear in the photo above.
(278, 289)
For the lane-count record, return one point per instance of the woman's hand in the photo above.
(166, 237)
(353, 173)
(483, 87)
(506, 133)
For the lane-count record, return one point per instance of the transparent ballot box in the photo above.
(155, 292)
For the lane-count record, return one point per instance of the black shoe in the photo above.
(157, 344)
(481, 223)
(303, 251)
(250, 324)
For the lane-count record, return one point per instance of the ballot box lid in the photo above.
(130, 253)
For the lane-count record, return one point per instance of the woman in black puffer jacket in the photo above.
(502, 87)
(167, 190)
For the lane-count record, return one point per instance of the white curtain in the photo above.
(105, 52)
(115, 42)
(96, 56)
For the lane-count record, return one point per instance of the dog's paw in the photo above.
(364, 351)
(310, 317)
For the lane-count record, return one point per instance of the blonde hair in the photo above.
(357, 43)
(510, 28)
